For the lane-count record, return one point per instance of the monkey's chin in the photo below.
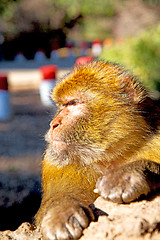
(57, 153)
(59, 146)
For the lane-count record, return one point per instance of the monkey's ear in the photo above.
(131, 88)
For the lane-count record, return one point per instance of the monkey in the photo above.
(103, 141)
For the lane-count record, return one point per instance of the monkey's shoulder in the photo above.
(151, 148)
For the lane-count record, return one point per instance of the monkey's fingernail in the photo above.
(95, 190)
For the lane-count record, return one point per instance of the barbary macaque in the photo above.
(104, 139)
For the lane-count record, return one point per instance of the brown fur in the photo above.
(114, 135)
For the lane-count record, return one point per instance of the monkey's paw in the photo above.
(64, 224)
(122, 186)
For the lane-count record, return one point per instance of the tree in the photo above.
(24, 15)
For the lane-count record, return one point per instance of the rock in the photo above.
(137, 220)
(24, 232)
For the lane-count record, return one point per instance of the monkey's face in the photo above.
(73, 132)
(62, 128)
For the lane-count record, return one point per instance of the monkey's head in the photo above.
(98, 115)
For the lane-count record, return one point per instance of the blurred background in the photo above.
(40, 41)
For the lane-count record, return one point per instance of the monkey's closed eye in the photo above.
(72, 102)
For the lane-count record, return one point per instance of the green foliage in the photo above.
(153, 2)
(141, 55)
(86, 7)
(5, 3)
(26, 15)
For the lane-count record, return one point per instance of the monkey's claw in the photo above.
(121, 186)
(69, 224)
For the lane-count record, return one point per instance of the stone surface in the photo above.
(137, 220)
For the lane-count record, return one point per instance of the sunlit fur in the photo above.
(112, 131)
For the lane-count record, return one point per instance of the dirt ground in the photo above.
(22, 137)
(21, 149)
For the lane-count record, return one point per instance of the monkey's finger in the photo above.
(78, 221)
(115, 195)
(62, 234)
(84, 215)
(74, 227)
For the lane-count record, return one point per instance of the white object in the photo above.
(96, 49)
(45, 92)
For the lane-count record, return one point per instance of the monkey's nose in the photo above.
(55, 126)
(55, 123)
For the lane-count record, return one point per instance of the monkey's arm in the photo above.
(67, 192)
(127, 183)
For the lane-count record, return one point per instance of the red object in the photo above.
(49, 71)
(83, 60)
(96, 42)
(3, 82)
